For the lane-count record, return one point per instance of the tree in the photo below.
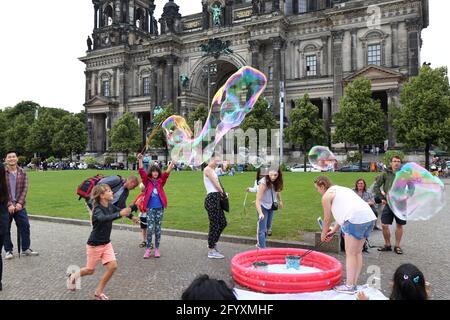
(17, 134)
(361, 120)
(71, 137)
(423, 118)
(160, 140)
(125, 135)
(261, 117)
(306, 129)
(3, 129)
(26, 108)
(200, 114)
(41, 135)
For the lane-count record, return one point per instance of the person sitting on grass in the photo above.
(409, 284)
(99, 247)
(205, 288)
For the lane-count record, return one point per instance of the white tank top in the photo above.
(348, 206)
(210, 188)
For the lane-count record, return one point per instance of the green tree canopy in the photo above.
(16, 136)
(125, 135)
(41, 135)
(159, 139)
(360, 120)
(306, 128)
(423, 118)
(70, 137)
(199, 114)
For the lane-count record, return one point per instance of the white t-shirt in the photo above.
(348, 206)
(209, 186)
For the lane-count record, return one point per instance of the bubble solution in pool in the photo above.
(282, 269)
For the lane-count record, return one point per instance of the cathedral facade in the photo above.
(136, 63)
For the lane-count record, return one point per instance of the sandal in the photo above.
(143, 244)
(101, 296)
(398, 250)
(385, 248)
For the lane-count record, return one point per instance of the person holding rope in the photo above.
(357, 220)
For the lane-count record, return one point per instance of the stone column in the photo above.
(88, 92)
(160, 84)
(325, 56)
(153, 82)
(326, 114)
(414, 27)
(354, 59)
(394, 47)
(338, 37)
(205, 16)
(277, 44)
(90, 129)
(170, 81)
(229, 13)
(255, 51)
(117, 7)
(95, 16)
(393, 96)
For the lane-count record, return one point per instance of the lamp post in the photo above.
(210, 70)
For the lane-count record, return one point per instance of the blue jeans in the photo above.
(23, 226)
(154, 220)
(263, 226)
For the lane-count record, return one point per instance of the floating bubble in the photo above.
(321, 158)
(228, 109)
(416, 194)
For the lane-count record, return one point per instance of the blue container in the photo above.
(293, 262)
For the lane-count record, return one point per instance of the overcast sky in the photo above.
(41, 42)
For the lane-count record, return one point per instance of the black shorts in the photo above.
(143, 222)
(387, 217)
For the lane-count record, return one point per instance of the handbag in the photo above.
(274, 204)
(224, 202)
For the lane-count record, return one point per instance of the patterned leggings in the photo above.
(154, 220)
(217, 219)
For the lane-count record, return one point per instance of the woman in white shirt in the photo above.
(269, 191)
(357, 220)
(217, 219)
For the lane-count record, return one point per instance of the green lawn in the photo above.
(54, 194)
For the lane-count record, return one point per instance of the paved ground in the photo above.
(426, 245)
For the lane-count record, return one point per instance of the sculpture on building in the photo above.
(89, 43)
(215, 48)
(184, 79)
(216, 10)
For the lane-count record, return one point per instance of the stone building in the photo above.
(136, 62)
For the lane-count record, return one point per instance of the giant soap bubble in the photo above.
(416, 194)
(321, 158)
(228, 109)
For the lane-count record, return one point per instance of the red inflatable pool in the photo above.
(262, 281)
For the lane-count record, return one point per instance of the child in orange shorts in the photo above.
(99, 247)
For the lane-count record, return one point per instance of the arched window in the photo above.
(139, 19)
(105, 83)
(124, 11)
(108, 15)
(373, 43)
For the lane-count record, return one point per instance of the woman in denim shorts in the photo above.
(357, 220)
